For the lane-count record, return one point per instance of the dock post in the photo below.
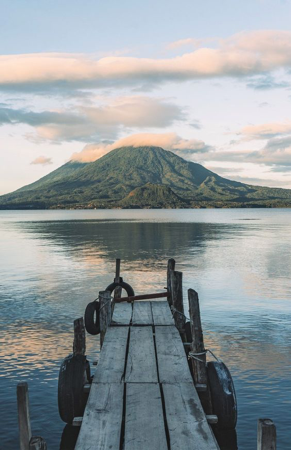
(197, 347)
(105, 313)
(171, 267)
(37, 443)
(79, 346)
(177, 301)
(118, 290)
(23, 416)
(266, 439)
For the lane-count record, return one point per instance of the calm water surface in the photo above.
(54, 262)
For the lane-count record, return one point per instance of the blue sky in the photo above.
(208, 80)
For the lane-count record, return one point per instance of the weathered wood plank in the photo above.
(111, 365)
(141, 361)
(172, 362)
(122, 314)
(144, 422)
(101, 425)
(142, 313)
(162, 314)
(187, 424)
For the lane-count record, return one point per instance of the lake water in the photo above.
(54, 262)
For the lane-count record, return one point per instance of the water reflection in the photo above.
(50, 269)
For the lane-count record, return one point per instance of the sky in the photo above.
(210, 81)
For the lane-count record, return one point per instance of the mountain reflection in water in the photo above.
(54, 262)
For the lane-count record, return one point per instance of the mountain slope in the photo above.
(144, 177)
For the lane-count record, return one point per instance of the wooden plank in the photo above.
(144, 421)
(122, 314)
(142, 313)
(101, 425)
(162, 314)
(172, 361)
(187, 423)
(141, 361)
(111, 364)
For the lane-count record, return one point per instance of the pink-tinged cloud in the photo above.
(168, 141)
(267, 130)
(246, 53)
(42, 160)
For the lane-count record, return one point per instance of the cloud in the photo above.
(267, 130)
(182, 42)
(168, 141)
(89, 123)
(243, 54)
(42, 160)
(267, 82)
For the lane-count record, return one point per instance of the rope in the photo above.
(194, 355)
(174, 310)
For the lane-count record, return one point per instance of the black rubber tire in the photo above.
(222, 395)
(74, 374)
(92, 318)
(125, 286)
(69, 437)
(188, 332)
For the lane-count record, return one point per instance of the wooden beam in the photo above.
(162, 314)
(144, 421)
(105, 313)
(172, 362)
(118, 289)
(79, 346)
(177, 301)
(171, 266)
(101, 425)
(23, 416)
(142, 314)
(188, 426)
(199, 363)
(122, 314)
(111, 364)
(141, 361)
(37, 443)
(142, 297)
(266, 439)
(199, 368)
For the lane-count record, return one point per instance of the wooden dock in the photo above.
(153, 388)
(142, 396)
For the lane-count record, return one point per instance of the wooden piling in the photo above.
(171, 266)
(199, 361)
(79, 346)
(118, 290)
(105, 313)
(23, 416)
(266, 439)
(176, 279)
(199, 364)
(37, 443)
